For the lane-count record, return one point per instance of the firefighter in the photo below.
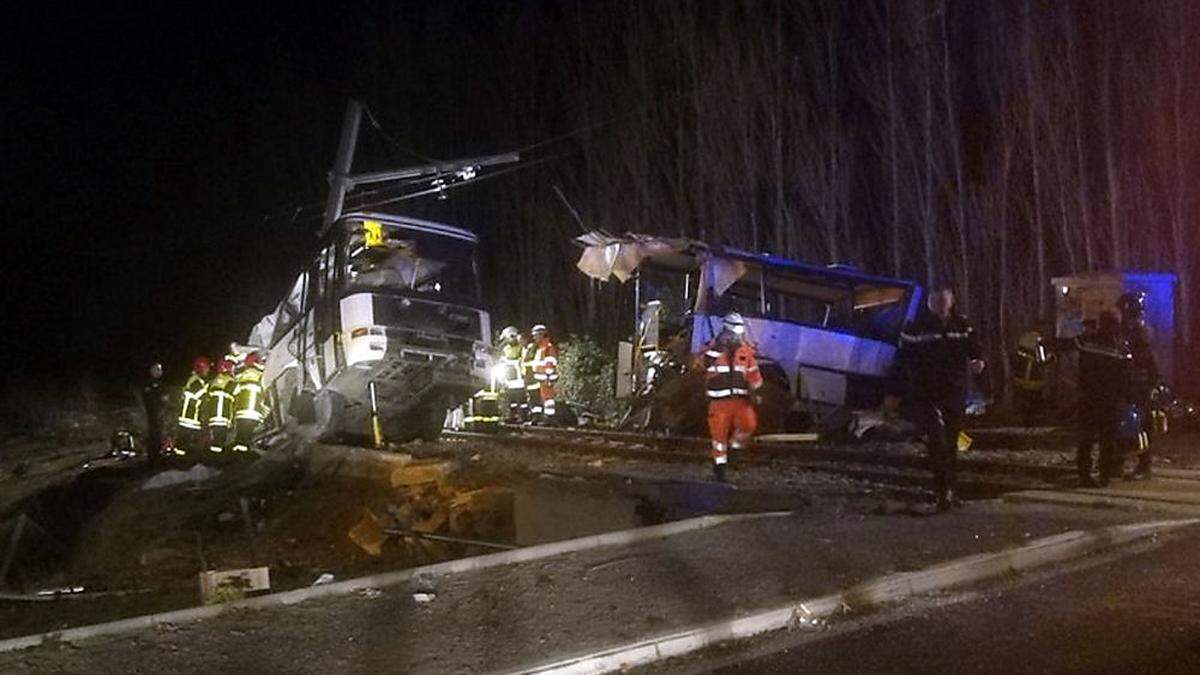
(532, 407)
(1031, 364)
(1104, 370)
(545, 372)
(190, 424)
(249, 407)
(154, 400)
(511, 375)
(731, 376)
(938, 351)
(217, 410)
(1143, 373)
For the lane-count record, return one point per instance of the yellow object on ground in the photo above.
(964, 441)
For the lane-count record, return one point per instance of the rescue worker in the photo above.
(511, 375)
(545, 371)
(533, 397)
(1031, 365)
(217, 410)
(730, 377)
(1104, 370)
(938, 351)
(1143, 373)
(190, 424)
(249, 406)
(154, 400)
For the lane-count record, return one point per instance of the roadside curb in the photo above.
(383, 580)
(1134, 501)
(888, 589)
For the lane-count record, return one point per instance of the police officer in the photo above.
(154, 400)
(938, 351)
(1143, 371)
(1104, 370)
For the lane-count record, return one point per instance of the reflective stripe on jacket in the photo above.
(248, 398)
(730, 370)
(218, 403)
(193, 394)
(545, 363)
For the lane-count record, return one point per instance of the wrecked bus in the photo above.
(826, 336)
(388, 314)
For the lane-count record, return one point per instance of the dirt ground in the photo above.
(518, 615)
(139, 551)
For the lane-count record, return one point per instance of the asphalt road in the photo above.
(1136, 614)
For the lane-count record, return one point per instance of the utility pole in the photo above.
(341, 181)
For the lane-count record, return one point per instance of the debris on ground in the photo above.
(228, 585)
(325, 578)
(423, 598)
(197, 474)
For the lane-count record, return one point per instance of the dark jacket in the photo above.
(1143, 370)
(933, 358)
(154, 398)
(1105, 362)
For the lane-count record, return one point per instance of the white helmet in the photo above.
(510, 333)
(735, 324)
(539, 329)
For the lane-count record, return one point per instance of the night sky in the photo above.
(154, 156)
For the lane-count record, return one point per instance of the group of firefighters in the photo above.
(528, 373)
(939, 351)
(218, 412)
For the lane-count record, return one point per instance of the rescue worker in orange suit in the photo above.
(190, 425)
(154, 399)
(217, 409)
(1104, 377)
(731, 377)
(545, 372)
(1143, 373)
(938, 351)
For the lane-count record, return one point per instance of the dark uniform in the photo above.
(154, 400)
(1104, 372)
(1143, 378)
(934, 358)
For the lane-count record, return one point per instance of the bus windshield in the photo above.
(413, 262)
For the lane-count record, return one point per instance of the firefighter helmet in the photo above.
(734, 323)
(1132, 305)
(225, 366)
(254, 360)
(201, 365)
(510, 333)
(538, 330)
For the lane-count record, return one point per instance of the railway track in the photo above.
(978, 477)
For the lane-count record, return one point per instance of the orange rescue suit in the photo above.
(730, 375)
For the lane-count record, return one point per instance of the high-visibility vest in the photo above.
(247, 395)
(731, 371)
(545, 363)
(193, 394)
(510, 358)
(528, 356)
(218, 404)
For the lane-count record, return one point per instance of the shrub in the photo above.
(587, 376)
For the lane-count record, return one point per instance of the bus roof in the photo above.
(416, 224)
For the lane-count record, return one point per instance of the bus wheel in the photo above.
(432, 419)
(330, 410)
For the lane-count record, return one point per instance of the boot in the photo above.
(719, 473)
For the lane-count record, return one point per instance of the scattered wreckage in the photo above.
(826, 336)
